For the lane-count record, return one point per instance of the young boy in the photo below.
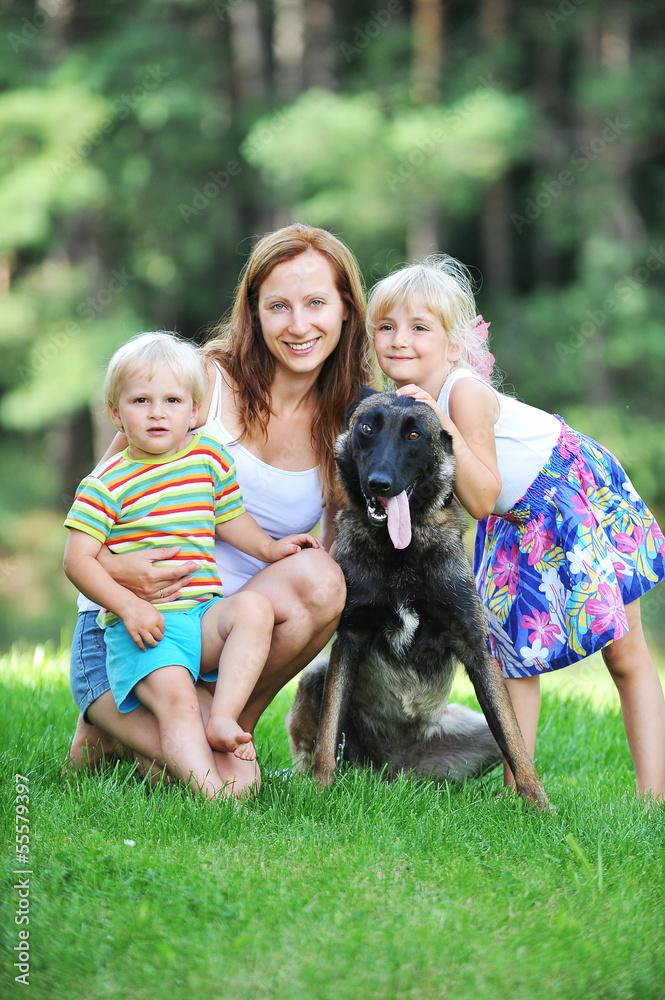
(173, 487)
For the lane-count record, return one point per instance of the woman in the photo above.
(282, 371)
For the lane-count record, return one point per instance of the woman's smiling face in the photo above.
(301, 313)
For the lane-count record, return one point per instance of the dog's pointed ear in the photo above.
(351, 408)
(446, 441)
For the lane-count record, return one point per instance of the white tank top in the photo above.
(524, 436)
(283, 502)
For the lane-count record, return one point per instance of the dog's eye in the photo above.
(413, 436)
(366, 428)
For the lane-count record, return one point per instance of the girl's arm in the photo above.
(144, 623)
(244, 533)
(474, 410)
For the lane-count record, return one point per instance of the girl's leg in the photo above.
(642, 703)
(169, 694)
(525, 695)
(242, 626)
(307, 592)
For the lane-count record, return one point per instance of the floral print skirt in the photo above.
(556, 571)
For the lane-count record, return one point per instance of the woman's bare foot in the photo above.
(223, 733)
(90, 747)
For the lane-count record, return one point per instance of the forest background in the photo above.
(145, 144)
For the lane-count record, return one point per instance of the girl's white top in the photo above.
(524, 436)
(283, 502)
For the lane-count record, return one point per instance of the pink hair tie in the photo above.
(484, 360)
(479, 327)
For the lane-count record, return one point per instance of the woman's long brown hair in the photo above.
(238, 344)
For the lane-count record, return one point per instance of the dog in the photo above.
(412, 611)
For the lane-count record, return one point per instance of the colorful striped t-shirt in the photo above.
(169, 501)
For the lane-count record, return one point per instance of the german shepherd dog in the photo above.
(412, 611)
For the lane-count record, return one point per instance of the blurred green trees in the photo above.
(144, 145)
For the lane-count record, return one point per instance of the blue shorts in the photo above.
(88, 679)
(181, 646)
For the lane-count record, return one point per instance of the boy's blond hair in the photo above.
(147, 352)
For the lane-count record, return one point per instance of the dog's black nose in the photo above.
(379, 485)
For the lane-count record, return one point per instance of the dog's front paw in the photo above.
(538, 799)
(544, 804)
(324, 773)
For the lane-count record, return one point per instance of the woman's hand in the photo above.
(138, 572)
(279, 548)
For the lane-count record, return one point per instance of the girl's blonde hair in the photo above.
(446, 289)
(238, 345)
(147, 352)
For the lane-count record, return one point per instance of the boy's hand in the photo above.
(144, 623)
(279, 548)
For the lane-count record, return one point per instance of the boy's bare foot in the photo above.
(246, 751)
(90, 746)
(223, 733)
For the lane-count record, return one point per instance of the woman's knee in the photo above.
(320, 584)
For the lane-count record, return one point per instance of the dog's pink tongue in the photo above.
(399, 519)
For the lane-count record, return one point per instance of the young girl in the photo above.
(174, 486)
(564, 546)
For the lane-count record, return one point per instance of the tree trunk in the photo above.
(248, 59)
(424, 224)
(495, 226)
(289, 47)
(318, 61)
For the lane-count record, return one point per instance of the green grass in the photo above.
(372, 891)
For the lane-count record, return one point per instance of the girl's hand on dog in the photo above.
(423, 397)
